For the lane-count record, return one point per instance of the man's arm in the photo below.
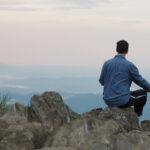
(138, 79)
(101, 79)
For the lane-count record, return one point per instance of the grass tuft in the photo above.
(3, 101)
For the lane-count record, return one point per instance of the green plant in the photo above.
(3, 101)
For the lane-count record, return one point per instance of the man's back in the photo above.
(116, 76)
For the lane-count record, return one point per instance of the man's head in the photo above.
(122, 47)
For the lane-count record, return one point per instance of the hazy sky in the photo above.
(73, 32)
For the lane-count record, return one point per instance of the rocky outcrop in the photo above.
(49, 124)
(126, 117)
(49, 108)
(25, 128)
(57, 148)
(100, 128)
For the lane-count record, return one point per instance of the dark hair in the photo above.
(122, 46)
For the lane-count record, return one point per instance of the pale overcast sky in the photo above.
(73, 32)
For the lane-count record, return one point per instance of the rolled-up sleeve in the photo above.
(101, 78)
(137, 78)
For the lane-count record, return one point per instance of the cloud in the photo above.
(133, 22)
(83, 2)
(9, 2)
(86, 2)
(78, 4)
(28, 5)
(17, 9)
(15, 5)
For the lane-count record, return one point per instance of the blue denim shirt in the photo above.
(116, 76)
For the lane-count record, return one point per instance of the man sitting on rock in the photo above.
(117, 75)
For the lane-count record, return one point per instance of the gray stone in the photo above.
(57, 148)
(49, 108)
(49, 124)
(126, 116)
(146, 125)
(133, 140)
(79, 131)
(17, 140)
(16, 114)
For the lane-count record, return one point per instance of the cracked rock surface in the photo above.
(49, 124)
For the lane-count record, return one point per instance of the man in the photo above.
(116, 77)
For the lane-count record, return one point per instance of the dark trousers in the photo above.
(138, 100)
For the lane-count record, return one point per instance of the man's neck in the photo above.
(124, 55)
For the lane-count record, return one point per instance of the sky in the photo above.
(73, 32)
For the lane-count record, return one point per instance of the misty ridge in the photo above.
(69, 79)
(79, 86)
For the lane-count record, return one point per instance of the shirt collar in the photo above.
(119, 56)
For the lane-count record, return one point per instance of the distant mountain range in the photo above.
(42, 78)
(80, 103)
(48, 71)
(78, 86)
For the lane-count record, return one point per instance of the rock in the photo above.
(97, 129)
(57, 148)
(49, 124)
(17, 114)
(133, 140)
(126, 116)
(40, 133)
(78, 132)
(146, 125)
(3, 111)
(50, 109)
(17, 140)
(34, 134)
(3, 124)
(22, 122)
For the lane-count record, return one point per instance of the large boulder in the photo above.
(101, 130)
(133, 140)
(49, 124)
(27, 127)
(127, 117)
(49, 108)
(57, 148)
(80, 132)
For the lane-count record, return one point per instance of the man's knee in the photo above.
(141, 101)
(140, 92)
(145, 100)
